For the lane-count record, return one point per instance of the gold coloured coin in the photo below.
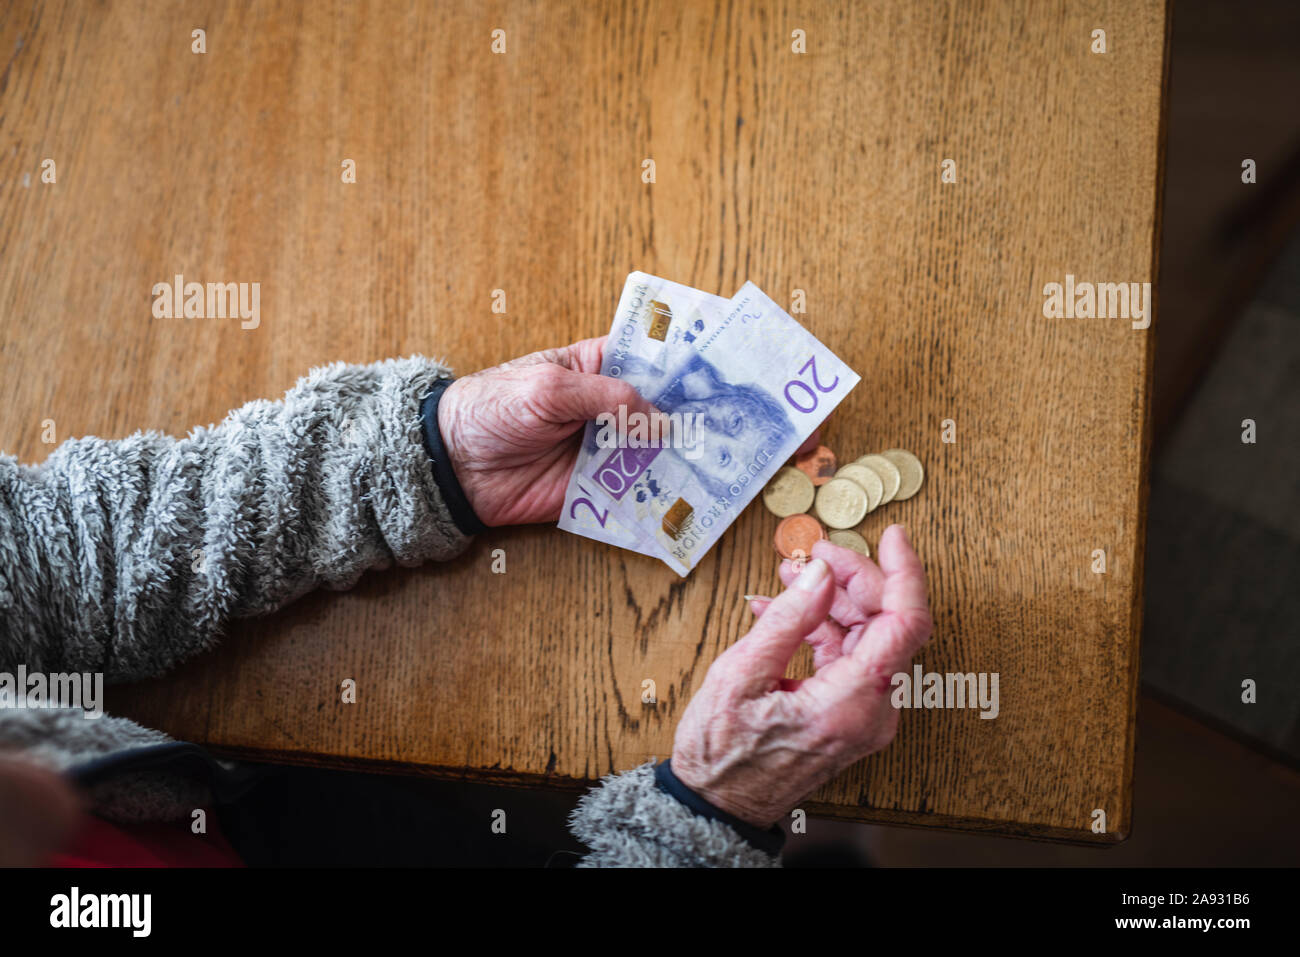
(868, 478)
(848, 538)
(887, 470)
(789, 493)
(841, 503)
(909, 469)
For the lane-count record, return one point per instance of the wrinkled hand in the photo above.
(754, 743)
(512, 431)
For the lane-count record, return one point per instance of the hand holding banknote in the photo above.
(754, 743)
(747, 386)
(511, 431)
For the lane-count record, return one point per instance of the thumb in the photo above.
(585, 395)
(765, 653)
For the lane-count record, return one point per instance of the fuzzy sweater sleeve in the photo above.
(128, 556)
(628, 821)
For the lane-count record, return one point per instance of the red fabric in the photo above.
(100, 843)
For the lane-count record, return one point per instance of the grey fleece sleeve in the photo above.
(128, 556)
(627, 821)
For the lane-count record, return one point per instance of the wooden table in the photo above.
(522, 171)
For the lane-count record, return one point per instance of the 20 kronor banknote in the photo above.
(745, 385)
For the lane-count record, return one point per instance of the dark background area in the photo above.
(1217, 781)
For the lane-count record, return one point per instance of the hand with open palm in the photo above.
(754, 743)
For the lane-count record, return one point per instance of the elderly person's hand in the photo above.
(754, 743)
(512, 431)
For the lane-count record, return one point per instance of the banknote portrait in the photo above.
(735, 420)
(740, 385)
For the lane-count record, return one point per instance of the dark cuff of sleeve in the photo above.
(452, 493)
(768, 841)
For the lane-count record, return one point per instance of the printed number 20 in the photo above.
(793, 384)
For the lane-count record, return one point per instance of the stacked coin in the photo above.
(840, 499)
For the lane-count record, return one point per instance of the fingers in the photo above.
(862, 581)
(825, 640)
(762, 656)
(579, 396)
(569, 387)
(857, 597)
(589, 393)
(904, 625)
(584, 356)
(845, 609)
(897, 620)
(904, 575)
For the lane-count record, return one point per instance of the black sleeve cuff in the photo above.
(769, 842)
(452, 493)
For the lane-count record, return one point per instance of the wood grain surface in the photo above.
(521, 171)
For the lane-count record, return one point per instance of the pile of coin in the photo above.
(839, 499)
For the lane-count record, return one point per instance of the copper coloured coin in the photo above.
(796, 535)
(818, 465)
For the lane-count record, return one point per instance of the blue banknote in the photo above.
(743, 385)
(657, 308)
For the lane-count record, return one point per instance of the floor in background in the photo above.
(1200, 799)
(1223, 531)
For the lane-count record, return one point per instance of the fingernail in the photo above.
(811, 575)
